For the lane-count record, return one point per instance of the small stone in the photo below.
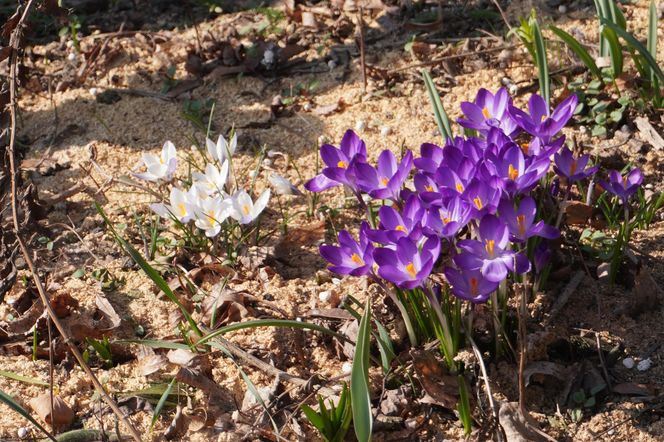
(603, 272)
(347, 367)
(93, 91)
(644, 365)
(385, 131)
(562, 9)
(23, 432)
(323, 139)
(325, 296)
(649, 186)
(307, 107)
(513, 89)
(360, 126)
(628, 363)
(332, 64)
(583, 129)
(71, 56)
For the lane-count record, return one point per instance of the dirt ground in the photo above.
(72, 126)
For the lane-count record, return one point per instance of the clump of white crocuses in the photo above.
(207, 199)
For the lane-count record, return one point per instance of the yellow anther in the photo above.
(384, 181)
(342, 164)
(490, 247)
(478, 202)
(410, 268)
(356, 259)
(459, 187)
(525, 147)
(182, 209)
(521, 223)
(513, 172)
(401, 228)
(487, 113)
(246, 210)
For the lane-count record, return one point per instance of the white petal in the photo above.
(150, 159)
(168, 151)
(233, 144)
(161, 210)
(260, 203)
(212, 149)
(223, 173)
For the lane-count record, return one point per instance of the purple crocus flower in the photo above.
(541, 122)
(484, 196)
(518, 176)
(407, 266)
(488, 111)
(542, 256)
(520, 221)
(394, 225)
(350, 257)
(339, 162)
(448, 219)
(470, 285)
(490, 254)
(385, 180)
(431, 157)
(623, 186)
(573, 169)
(454, 180)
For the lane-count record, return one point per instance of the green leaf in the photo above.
(78, 274)
(313, 417)
(615, 51)
(579, 50)
(542, 66)
(25, 379)
(598, 131)
(150, 271)
(439, 111)
(161, 403)
(616, 116)
(652, 35)
(464, 406)
(11, 403)
(385, 347)
(154, 343)
(633, 42)
(359, 379)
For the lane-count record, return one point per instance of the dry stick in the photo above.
(502, 14)
(270, 369)
(15, 40)
(450, 57)
(360, 24)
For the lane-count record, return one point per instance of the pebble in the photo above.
(603, 272)
(23, 432)
(562, 9)
(644, 365)
(628, 363)
(307, 107)
(93, 91)
(385, 131)
(649, 186)
(331, 64)
(347, 367)
(360, 126)
(325, 296)
(71, 56)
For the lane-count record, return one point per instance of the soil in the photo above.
(71, 126)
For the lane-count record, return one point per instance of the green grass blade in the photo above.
(359, 380)
(442, 119)
(615, 50)
(11, 403)
(603, 44)
(153, 343)
(150, 271)
(25, 379)
(385, 347)
(633, 42)
(652, 36)
(464, 406)
(579, 50)
(161, 403)
(313, 417)
(270, 323)
(542, 65)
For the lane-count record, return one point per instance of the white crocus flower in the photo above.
(222, 150)
(159, 167)
(213, 180)
(181, 205)
(210, 213)
(282, 186)
(244, 210)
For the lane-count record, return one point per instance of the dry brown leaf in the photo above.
(177, 426)
(151, 364)
(440, 387)
(330, 108)
(633, 389)
(180, 357)
(62, 416)
(224, 305)
(107, 309)
(62, 303)
(545, 368)
(195, 379)
(516, 426)
(576, 212)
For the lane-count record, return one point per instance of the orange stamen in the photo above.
(513, 172)
(490, 247)
(410, 268)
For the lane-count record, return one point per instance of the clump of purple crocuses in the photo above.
(467, 210)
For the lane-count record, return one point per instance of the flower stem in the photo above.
(523, 313)
(412, 336)
(447, 341)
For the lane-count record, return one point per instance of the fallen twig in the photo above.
(15, 43)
